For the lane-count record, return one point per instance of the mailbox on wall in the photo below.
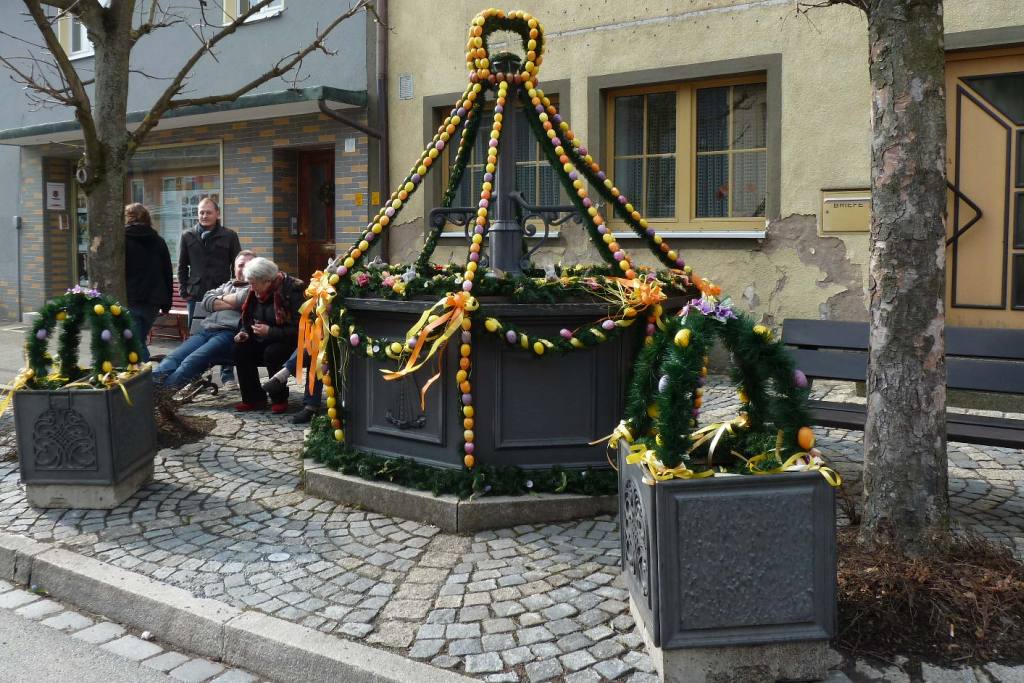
(845, 211)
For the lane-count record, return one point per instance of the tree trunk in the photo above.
(905, 477)
(107, 159)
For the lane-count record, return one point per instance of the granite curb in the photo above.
(263, 644)
(448, 512)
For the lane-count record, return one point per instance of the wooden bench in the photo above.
(987, 360)
(174, 325)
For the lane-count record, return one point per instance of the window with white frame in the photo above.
(692, 156)
(235, 8)
(73, 36)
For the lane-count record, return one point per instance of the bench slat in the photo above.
(836, 334)
(988, 431)
(829, 364)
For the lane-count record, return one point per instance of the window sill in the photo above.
(264, 14)
(81, 55)
(540, 235)
(702, 235)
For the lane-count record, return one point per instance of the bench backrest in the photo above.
(977, 359)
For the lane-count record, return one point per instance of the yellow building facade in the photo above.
(741, 129)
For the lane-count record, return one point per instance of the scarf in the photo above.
(282, 314)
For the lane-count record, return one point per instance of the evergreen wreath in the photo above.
(112, 342)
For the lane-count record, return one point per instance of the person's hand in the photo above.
(242, 337)
(260, 329)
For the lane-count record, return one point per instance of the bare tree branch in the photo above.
(167, 101)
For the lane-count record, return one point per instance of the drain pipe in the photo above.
(384, 143)
(380, 132)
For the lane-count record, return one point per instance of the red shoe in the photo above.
(278, 408)
(244, 407)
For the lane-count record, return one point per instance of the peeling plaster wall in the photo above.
(825, 123)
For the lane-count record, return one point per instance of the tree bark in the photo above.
(108, 169)
(905, 476)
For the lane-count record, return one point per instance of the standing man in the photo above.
(205, 256)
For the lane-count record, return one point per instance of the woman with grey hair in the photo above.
(268, 332)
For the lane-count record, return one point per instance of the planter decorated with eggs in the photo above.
(86, 435)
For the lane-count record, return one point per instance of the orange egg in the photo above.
(469, 461)
(805, 437)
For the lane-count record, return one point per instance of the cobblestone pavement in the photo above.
(133, 647)
(224, 519)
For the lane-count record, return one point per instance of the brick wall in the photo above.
(259, 191)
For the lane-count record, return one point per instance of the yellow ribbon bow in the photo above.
(438, 331)
(715, 432)
(655, 470)
(314, 329)
(798, 462)
(19, 382)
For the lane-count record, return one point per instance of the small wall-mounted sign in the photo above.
(845, 211)
(375, 198)
(350, 145)
(55, 196)
(405, 86)
(359, 198)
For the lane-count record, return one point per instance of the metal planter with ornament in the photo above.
(731, 575)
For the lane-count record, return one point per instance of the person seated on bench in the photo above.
(310, 399)
(268, 332)
(214, 343)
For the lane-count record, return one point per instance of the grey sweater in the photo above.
(224, 319)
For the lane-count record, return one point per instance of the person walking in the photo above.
(206, 254)
(147, 272)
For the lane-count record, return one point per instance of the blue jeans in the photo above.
(201, 351)
(143, 318)
(308, 399)
(227, 372)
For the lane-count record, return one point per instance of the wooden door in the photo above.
(985, 170)
(316, 211)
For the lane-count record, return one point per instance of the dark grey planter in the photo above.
(729, 561)
(85, 448)
(533, 412)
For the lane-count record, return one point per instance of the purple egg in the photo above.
(574, 175)
(416, 178)
(41, 334)
(354, 340)
(619, 255)
(127, 334)
(342, 270)
(539, 108)
(663, 384)
(650, 329)
(601, 176)
(556, 142)
(499, 109)
(484, 204)
(467, 286)
(469, 447)
(467, 399)
(556, 118)
(587, 202)
(492, 143)
(566, 334)
(583, 151)
(696, 412)
(488, 177)
(467, 337)
(651, 232)
(511, 336)
(474, 257)
(461, 111)
(389, 212)
(680, 263)
(105, 335)
(623, 200)
(800, 379)
(608, 325)
(370, 236)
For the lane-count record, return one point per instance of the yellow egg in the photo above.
(742, 396)
(653, 411)
(107, 366)
(98, 309)
(133, 357)
(331, 402)
(332, 413)
(538, 348)
(335, 331)
(333, 279)
(115, 309)
(682, 338)
(62, 316)
(339, 435)
(762, 331)
(396, 348)
(491, 325)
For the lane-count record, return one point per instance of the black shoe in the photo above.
(304, 415)
(275, 387)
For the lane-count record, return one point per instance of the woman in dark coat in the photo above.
(268, 332)
(147, 271)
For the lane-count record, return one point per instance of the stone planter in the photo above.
(731, 576)
(85, 448)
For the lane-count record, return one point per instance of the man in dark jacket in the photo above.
(205, 256)
(147, 266)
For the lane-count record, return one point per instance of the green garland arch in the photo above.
(112, 340)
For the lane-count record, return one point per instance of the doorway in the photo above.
(315, 239)
(985, 170)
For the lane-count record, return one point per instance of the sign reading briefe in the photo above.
(845, 211)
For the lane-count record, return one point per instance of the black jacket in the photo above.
(205, 264)
(293, 293)
(147, 267)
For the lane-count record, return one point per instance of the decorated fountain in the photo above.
(499, 378)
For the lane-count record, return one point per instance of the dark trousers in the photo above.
(249, 357)
(143, 317)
